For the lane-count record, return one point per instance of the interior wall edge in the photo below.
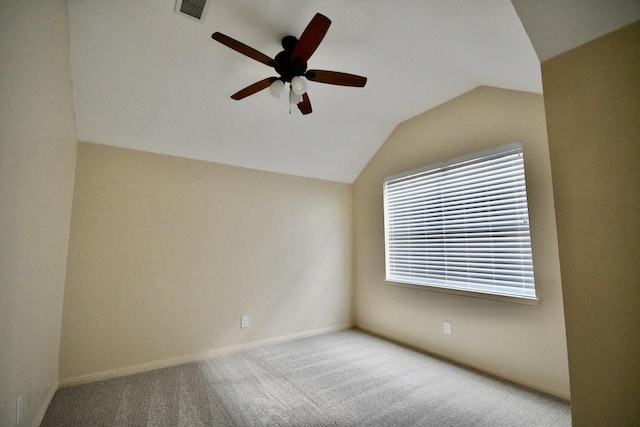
(591, 103)
(45, 405)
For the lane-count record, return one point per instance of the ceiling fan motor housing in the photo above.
(287, 66)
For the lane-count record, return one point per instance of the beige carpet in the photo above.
(346, 378)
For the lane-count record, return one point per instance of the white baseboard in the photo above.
(45, 405)
(188, 358)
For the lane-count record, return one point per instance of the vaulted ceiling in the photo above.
(150, 79)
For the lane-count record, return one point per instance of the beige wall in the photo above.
(592, 98)
(522, 343)
(166, 254)
(37, 161)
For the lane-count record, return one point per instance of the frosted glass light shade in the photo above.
(298, 85)
(294, 98)
(277, 88)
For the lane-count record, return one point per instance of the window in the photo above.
(462, 224)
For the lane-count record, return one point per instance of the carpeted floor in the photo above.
(345, 378)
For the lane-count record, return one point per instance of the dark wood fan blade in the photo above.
(256, 87)
(336, 78)
(311, 37)
(305, 105)
(243, 49)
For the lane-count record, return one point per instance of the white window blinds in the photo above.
(462, 225)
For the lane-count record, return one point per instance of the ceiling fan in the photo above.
(291, 65)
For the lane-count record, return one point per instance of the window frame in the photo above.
(448, 165)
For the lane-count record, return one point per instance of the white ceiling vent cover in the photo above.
(191, 8)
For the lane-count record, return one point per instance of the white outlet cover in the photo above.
(244, 322)
(446, 326)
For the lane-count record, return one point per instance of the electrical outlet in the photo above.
(244, 322)
(18, 410)
(446, 326)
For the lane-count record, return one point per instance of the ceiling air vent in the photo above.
(192, 8)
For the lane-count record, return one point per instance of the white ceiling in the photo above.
(149, 79)
(556, 26)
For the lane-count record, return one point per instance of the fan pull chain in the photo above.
(292, 98)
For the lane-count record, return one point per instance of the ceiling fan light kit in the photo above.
(298, 85)
(277, 88)
(294, 98)
(291, 65)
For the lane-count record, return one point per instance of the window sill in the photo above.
(470, 294)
